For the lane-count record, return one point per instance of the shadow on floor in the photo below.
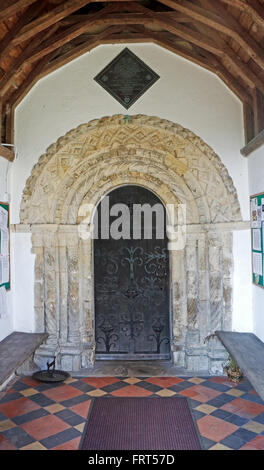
(136, 369)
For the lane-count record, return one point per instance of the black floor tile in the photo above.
(244, 435)
(18, 437)
(83, 386)
(260, 418)
(10, 397)
(207, 443)
(60, 438)
(237, 420)
(29, 416)
(41, 399)
(70, 417)
(75, 401)
(113, 387)
(233, 442)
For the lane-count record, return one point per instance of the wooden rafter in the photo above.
(125, 19)
(32, 54)
(77, 51)
(39, 36)
(6, 42)
(49, 19)
(140, 34)
(31, 79)
(52, 17)
(181, 51)
(222, 71)
(251, 7)
(7, 153)
(56, 41)
(231, 83)
(247, 75)
(9, 79)
(11, 7)
(224, 24)
(258, 107)
(74, 19)
(237, 64)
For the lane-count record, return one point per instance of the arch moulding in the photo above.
(178, 167)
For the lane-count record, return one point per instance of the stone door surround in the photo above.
(178, 167)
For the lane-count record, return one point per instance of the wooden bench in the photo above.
(15, 350)
(247, 350)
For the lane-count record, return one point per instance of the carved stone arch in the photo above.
(168, 186)
(83, 166)
(182, 152)
(95, 193)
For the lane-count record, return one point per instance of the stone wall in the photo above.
(179, 168)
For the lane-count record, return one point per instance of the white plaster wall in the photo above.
(185, 94)
(242, 294)
(256, 185)
(6, 323)
(23, 282)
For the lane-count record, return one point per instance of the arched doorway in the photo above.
(131, 276)
(82, 167)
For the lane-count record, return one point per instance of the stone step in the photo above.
(15, 349)
(247, 350)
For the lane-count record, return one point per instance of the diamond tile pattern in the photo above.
(36, 416)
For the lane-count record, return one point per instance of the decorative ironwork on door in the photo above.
(132, 290)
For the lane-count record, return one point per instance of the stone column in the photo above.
(50, 288)
(63, 288)
(73, 289)
(38, 250)
(216, 352)
(70, 349)
(44, 240)
(178, 307)
(196, 353)
(215, 281)
(204, 302)
(228, 267)
(87, 329)
(191, 252)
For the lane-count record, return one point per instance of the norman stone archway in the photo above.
(178, 167)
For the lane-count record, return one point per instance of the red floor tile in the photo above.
(200, 393)
(99, 382)
(256, 444)
(215, 429)
(64, 392)
(18, 407)
(30, 382)
(71, 445)
(131, 391)
(210, 427)
(164, 382)
(82, 409)
(243, 408)
(5, 444)
(45, 427)
(223, 381)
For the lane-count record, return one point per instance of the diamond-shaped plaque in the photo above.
(126, 78)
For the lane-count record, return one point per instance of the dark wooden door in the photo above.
(132, 286)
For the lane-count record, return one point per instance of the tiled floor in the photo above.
(43, 416)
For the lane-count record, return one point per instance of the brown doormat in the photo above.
(140, 424)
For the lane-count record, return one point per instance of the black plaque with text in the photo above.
(126, 78)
